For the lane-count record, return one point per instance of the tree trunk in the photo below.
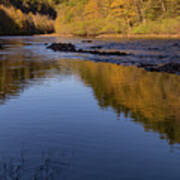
(163, 6)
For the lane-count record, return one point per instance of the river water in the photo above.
(64, 116)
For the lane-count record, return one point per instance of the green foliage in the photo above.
(93, 17)
(164, 26)
(118, 16)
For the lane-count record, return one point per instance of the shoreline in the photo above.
(173, 36)
(133, 36)
(106, 36)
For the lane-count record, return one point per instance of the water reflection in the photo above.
(15, 75)
(152, 99)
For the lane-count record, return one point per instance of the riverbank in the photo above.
(113, 36)
(173, 36)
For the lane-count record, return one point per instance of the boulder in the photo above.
(104, 53)
(68, 47)
(168, 67)
(64, 47)
(96, 47)
(1, 46)
(87, 41)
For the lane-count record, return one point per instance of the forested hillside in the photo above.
(90, 17)
(18, 17)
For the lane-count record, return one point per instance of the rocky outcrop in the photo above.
(64, 47)
(96, 47)
(168, 67)
(68, 47)
(1, 46)
(87, 41)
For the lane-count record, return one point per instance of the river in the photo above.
(71, 116)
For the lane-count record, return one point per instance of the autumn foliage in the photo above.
(92, 17)
(19, 18)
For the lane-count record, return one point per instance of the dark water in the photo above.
(65, 118)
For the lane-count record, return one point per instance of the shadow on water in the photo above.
(49, 167)
(152, 99)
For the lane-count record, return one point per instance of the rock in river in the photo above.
(96, 47)
(168, 67)
(87, 41)
(68, 47)
(64, 47)
(1, 47)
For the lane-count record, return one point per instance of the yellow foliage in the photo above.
(22, 23)
(91, 9)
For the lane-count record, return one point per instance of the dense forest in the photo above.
(26, 17)
(91, 17)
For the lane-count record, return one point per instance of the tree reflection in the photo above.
(152, 99)
(16, 74)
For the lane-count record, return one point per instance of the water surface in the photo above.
(92, 120)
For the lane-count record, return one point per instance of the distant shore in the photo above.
(138, 36)
(173, 36)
